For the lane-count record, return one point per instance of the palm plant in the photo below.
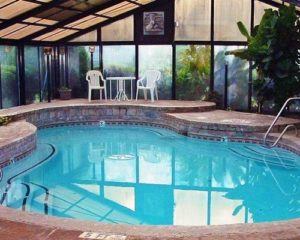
(274, 49)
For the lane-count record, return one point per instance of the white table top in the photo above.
(120, 78)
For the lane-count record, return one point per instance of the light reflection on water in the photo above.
(137, 175)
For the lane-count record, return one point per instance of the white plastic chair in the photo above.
(93, 77)
(150, 78)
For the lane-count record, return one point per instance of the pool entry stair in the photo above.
(271, 157)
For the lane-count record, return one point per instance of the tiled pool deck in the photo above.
(196, 119)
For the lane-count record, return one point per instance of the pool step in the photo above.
(273, 152)
(14, 196)
(40, 198)
(267, 156)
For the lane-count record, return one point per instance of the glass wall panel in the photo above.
(32, 74)
(79, 62)
(295, 107)
(227, 14)
(121, 30)
(192, 19)
(88, 37)
(62, 67)
(9, 76)
(259, 11)
(119, 61)
(192, 72)
(238, 77)
(36, 74)
(158, 57)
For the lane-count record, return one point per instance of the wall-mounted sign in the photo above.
(154, 23)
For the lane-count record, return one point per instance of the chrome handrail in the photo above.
(283, 132)
(276, 119)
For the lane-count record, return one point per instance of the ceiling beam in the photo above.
(277, 4)
(33, 43)
(69, 20)
(30, 13)
(270, 2)
(296, 2)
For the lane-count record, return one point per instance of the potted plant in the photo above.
(4, 120)
(274, 49)
(65, 93)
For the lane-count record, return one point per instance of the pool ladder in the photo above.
(275, 120)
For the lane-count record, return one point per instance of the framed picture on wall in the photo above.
(154, 23)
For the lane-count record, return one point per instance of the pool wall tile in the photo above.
(166, 117)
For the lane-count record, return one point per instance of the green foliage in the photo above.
(84, 67)
(193, 72)
(120, 70)
(243, 30)
(9, 76)
(79, 65)
(33, 74)
(4, 120)
(8, 73)
(238, 75)
(274, 48)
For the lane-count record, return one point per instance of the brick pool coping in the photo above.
(16, 140)
(47, 227)
(173, 115)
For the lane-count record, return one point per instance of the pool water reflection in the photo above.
(137, 175)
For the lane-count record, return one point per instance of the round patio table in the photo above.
(121, 94)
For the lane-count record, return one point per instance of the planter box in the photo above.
(65, 94)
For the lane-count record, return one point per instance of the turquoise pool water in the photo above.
(141, 175)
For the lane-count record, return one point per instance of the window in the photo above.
(121, 30)
(227, 14)
(193, 19)
(119, 61)
(9, 76)
(79, 62)
(238, 77)
(158, 57)
(192, 72)
(88, 37)
(260, 8)
(35, 75)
